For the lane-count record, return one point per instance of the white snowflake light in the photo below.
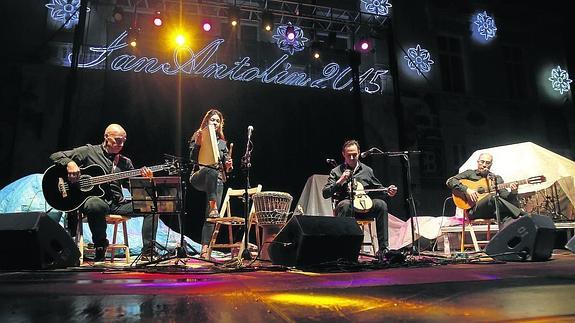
(419, 59)
(485, 25)
(65, 11)
(375, 7)
(560, 80)
(288, 44)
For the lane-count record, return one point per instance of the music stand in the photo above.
(156, 196)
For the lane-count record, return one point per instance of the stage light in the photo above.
(234, 16)
(180, 39)
(158, 22)
(268, 21)
(316, 55)
(290, 32)
(117, 14)
(206, 25)
(364, 45)
(133, 34)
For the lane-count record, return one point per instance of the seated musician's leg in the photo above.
(484, 209)
(343, 208)
(96, 210)
(379, 210)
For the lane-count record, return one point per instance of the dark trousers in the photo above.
(206, 180)
(378, 211)
(485, 209)
(96, 209)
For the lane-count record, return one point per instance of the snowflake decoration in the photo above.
(294, 45)
(485, 25)
(62, 10)
(419, 59)
(560, 80)
(376, 7)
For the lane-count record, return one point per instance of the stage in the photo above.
(425, 288)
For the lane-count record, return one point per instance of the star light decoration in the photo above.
(376, 7)
(65, 11)
(560, 80)
(485, 25)
(419, 59)
(297, 44)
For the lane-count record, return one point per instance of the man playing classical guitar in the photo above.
(106, 155)
(337, 188)
(480, 201)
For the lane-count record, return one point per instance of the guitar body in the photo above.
(65, 196)
(461, 199)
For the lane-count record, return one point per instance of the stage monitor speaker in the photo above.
(34, 241)
(527, 238)
(311, 240)
(571, 244)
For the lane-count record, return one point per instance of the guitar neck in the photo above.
(507, 185)
(121, 175)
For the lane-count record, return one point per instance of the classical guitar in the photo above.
(67, 196)
(362, 203)
(463, 201)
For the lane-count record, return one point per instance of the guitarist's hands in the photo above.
(73, 171)
(391, 190)
(513, 187)
(146, 172)
(473, 196)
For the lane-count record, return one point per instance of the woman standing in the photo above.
(210, 179)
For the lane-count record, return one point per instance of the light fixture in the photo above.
(158, 21)
(267, 20)
(206, 25)
(234, 16)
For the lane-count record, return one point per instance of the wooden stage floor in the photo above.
(423, 291)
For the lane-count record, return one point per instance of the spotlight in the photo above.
(234, 16)
(316, 55)
(206, 25)
(364, 45)
(117, 14)
(180, 39)
(290, 32)
(267, 20)
(316, 47)
(133, 34)
(158, 22)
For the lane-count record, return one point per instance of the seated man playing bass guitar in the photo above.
(95, 208)
(338, 188)
(473, 190)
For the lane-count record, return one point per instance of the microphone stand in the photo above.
(405, 155)
(246, 165)
(495, 196)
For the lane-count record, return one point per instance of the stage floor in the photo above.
(423, 291)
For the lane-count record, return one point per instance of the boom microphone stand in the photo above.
(405, 155)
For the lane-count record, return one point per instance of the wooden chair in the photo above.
(368, 226)
(114, 219)
(227, 219)
(470, 226)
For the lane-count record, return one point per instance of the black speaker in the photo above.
(310, 240)
(571, 244)
(34, 241)
(527, 238)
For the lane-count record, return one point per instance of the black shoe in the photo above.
(101, 251)
(381, 254)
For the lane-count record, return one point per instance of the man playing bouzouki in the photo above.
(337, 188)
(481, 200)
(106, 155)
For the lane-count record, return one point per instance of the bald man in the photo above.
(485, 208)
(106, 155)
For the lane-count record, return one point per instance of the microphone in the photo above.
(331, 162)
(250, 129)
(367, 152)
